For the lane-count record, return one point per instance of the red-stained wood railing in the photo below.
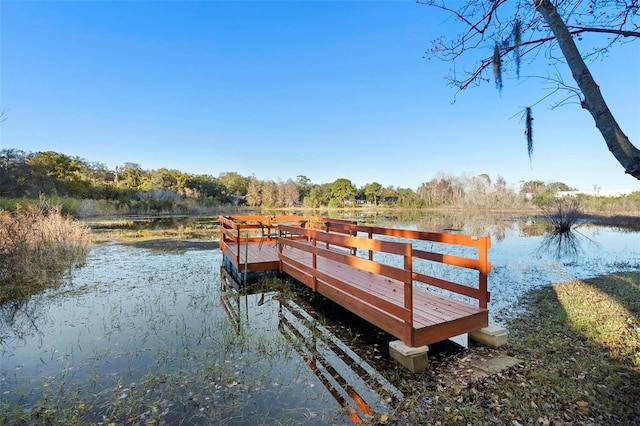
(313, 272)
(480, 263)
(329, 242)
(232, 228)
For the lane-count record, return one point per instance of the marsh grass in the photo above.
(37, 245)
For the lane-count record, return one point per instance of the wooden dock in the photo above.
(367, 270)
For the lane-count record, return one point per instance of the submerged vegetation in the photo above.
(37, 245)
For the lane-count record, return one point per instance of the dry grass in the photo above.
(37, 244)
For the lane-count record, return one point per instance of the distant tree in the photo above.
(254, 192)
(500, 184)
(559, 186)
(532, 186)
(319, 195)
(342, 190)
(234, 183)
(510, 32)
(55, 173)
(486, 178)
(288, 194)
(406, 197)
(206, 186)
(160, 179)
(14, 173)
(477, 191)
(389, 195)
(425, 193)
(269, 194)
(443, 189)
(373, 192)
(97, 173)
(131, 176)
(539, 193)
(303, 184)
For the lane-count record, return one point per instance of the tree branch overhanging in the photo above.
(532, 21)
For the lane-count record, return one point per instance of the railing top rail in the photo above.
(438, 237)
(392, 247)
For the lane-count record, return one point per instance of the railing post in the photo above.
(314, 263)
(483, 248)
(408, 289)
(238, 244)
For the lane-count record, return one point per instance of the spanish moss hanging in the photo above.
(517, 41)
(529, 132)
(497, 67)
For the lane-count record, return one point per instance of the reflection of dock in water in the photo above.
(230, 300)
(356, 385)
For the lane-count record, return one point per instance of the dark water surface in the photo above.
(142, 336)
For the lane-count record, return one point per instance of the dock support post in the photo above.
(492, 336)
(414, 359)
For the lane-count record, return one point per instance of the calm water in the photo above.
(146, 337)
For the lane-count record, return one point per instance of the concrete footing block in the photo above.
(493, 336)
(414, 359)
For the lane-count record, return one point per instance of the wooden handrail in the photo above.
(481, 263)
(353, 245)
(342, 233)
(318, 248)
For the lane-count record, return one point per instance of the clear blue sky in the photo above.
(280, 89)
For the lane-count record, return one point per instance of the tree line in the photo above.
(129, 186)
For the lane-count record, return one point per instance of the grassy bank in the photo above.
(579, 346)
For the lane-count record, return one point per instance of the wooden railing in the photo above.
(347, 243)
(375, 309)
(240, 229)
(243, 229)
(480, 263)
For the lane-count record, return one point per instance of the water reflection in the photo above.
(565, 246)
(19, 319)
(355, 385)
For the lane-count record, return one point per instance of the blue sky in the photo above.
(280, 89)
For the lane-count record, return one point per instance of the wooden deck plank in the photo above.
(258, 259)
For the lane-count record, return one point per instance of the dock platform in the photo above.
(367, 270)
